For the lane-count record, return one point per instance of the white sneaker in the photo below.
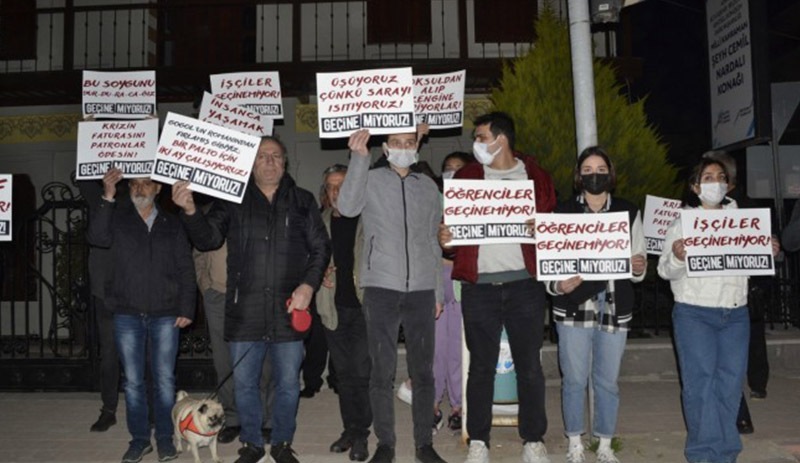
(478, 453)
(404, 393)
(575, 454)
(534, 452)
(606, 456)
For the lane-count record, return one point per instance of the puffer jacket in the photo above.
(272, 249)
(401, 217)
(716, 292)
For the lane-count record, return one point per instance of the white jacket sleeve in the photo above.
(638, 244)
(669, 267)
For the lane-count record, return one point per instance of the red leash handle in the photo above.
(301, 318)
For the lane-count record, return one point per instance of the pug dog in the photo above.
(198, 422)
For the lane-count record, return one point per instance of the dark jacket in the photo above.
(465, 261)
(272, 249)
(151, 271)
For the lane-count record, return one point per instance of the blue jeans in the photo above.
(286, 358)
(579, 351)
(487, 308)
(712, 354)
(133, 333)
(384, 310)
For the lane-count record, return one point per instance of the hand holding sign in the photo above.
(445, 236)
(358, 142)
(678, 250)
(110, 180)
(182, 197)
(638, 264)
(567, 286)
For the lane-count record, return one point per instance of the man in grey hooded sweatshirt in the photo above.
(400, 273)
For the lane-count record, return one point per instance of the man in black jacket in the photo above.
(278, 251)
(151, 292)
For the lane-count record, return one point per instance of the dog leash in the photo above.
(214, 394)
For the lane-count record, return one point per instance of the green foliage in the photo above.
(536, 91)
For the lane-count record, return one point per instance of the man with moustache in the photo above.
(278, 251)
(151, 293)
(499, 289)
(339, 307)
(400, 272)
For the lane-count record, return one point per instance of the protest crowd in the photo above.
(485, 249)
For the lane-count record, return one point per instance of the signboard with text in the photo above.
(439, 100)
(215, 160)
(489, 211)
(119, 95)
(727, 242)
(380, 100)
(594, 246)
(217, 111)
(738, 71)
(127, 145)
(259, 92)
(659, 213)
(6, 181)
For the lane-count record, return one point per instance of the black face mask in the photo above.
(596, 183)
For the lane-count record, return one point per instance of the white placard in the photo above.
(127, 145)
(730, 68)
(489, 211)
(659, 213)
(727, 242)
(215, 160)
(119, 95)
(259, 92)
(381, 100)
(6, 188)
(439, 99)
(217, 111)
(594, 246)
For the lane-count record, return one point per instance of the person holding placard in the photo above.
(278, 251)
(499, 289)
(152, 294)
(593, 317)
(339, 306)
(401, 276)
(711, 325)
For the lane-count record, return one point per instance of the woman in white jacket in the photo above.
(711, 327)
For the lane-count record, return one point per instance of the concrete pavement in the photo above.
(54, 427)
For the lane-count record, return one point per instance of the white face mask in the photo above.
(400, 158)
(448, 174)
(482, 154)
(712, 193)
